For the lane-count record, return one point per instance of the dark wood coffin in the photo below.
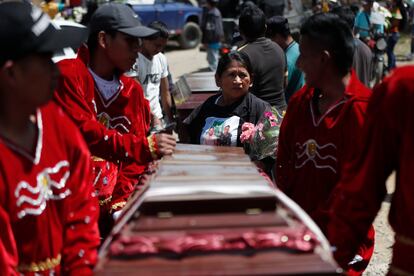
(208, 211)
(192, 90)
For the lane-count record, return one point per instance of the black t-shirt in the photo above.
(268, 62)
(211, 124)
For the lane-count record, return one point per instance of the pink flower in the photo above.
(268, 114)
(248, 131)
(247, 126)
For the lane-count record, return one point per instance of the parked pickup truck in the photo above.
(182, 18)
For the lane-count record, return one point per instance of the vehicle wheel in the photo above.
(190, 36)
(378, 68)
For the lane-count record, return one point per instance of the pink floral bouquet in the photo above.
(262, 139)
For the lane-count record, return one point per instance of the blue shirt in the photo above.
(362, 24)
(295, 76)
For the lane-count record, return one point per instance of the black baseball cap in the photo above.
(118, 17)
(25, 29)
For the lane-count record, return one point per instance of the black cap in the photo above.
(25, 29)
(118, 17)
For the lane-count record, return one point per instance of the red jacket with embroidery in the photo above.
(49, 199)
(8, 251)
(114, 129)
(77, 96)
(388, 145)
(313, 147)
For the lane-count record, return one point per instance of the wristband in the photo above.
(153, 146)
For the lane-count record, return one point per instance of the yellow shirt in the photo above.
(51, 8)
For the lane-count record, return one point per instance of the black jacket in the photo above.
(249, 109)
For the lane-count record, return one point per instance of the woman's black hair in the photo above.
(328, 32)
(226, 60)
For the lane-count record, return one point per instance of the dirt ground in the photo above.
(384, 238)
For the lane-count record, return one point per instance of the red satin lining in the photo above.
(127, 245)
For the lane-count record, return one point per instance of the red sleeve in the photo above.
(127, 181)
(81, 235)
(284, 167)
(74, 91)
(362, 186)
(8, 250)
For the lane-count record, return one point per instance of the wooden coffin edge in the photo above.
(323, 249)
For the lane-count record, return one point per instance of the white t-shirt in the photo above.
(106, 88)
(150, 73)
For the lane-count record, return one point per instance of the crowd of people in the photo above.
(77, 138)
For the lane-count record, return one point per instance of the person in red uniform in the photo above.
(320, 131)
(109, 107)
(8, 250)
(388, 145)
(48, 208)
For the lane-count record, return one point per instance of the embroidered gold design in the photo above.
(47, 264)
(96, 158)
(104, 119)
(105, 201)
(311, 148)
(115, 206)
(152, 143)
(322, 156)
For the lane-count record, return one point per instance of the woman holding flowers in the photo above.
(225, 112)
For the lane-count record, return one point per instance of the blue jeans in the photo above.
(212, 58)
(392, 41)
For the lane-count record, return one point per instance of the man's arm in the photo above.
(284, 164)
(8, 250)
(75, 95)
(80, 215)
(127, 182)
(166, 98)
(362, 186)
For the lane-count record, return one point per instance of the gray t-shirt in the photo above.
(362, 63)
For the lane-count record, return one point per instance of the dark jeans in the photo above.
(392, 41)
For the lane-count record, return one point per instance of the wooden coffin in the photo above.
(208, 211)
(192, 90)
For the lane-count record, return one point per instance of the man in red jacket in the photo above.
(388, 144)
(109, 107)
(320, 130)
(48, 208)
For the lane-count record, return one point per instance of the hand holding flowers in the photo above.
(262, 139)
